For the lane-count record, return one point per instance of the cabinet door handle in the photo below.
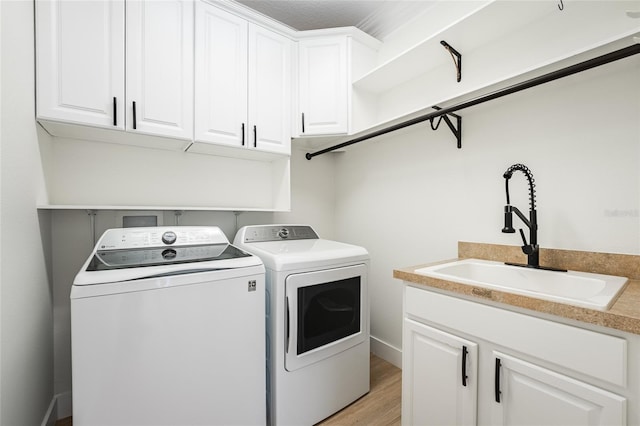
(242, 134)
(134, 115)
(303, 122)
(115, 112)
(497, 380)
(255, 137)
(464, 365)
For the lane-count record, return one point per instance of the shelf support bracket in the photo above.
(456, 130)
(457, 59)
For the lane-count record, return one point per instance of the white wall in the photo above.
(411, 196)
(76, 168)
(26, 355)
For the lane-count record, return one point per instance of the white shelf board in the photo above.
(571, 58)
(464, 35)
(151, 208)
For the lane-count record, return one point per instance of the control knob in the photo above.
(169, 237)
(283, 233)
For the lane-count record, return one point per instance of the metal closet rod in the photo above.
(546, 78)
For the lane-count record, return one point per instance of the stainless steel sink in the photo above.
(595, 291)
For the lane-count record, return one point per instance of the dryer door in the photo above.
(327, 313)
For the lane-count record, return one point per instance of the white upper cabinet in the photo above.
(324, 85)
(243, 76)
(80, 62)
(81, 50)
(221, 76)
(269, 90)
(160, 67)
(328, 61)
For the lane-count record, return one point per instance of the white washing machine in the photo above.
(317, 321)
(167, 328)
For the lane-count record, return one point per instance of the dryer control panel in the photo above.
(263, 233)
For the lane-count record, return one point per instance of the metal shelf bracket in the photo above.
(456, 130)
(457, 59)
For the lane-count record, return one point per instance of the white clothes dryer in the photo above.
(167, 328)
(317, 321)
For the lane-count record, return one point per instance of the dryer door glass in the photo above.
(327, 312)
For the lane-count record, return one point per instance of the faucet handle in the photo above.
(524, 239)
(527, 249)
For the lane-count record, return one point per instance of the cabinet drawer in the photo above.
(597, 355)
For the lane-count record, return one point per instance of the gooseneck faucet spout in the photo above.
(531, 248)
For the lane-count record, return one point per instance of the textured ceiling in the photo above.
(375, 17)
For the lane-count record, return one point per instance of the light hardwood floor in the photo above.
(381, 406)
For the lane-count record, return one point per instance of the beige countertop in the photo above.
(623, 315)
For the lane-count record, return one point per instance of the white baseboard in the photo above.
(64, 405)
(59, 408)
(51, 415)
(386, 351)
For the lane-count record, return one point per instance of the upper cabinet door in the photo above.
(221, 76)
(269, 91)
(324, 85)
(80, 61)
(160, 67)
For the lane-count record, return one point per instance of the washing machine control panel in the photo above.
(127, 238)
(263, 233)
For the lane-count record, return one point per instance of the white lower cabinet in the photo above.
(439, 377)
(465, 363)
(526, 393)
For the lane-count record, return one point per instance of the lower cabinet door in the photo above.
(439, 377)
(527, 394)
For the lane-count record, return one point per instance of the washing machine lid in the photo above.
(280, 252)
(106, 260)
(136, 253)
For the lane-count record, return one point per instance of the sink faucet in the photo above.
(531, 249)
